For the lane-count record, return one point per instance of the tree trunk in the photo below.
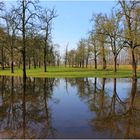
(104, 63)
(45, 50)
(34, 63)
(12, 67)
(115, 63)
(45, 65)
(133, 65)
(12, 63)
(83, 64)
(95, 65)
(65, 62)
(104, 60)
(87, 62)
(2, 56)
(24, 64)
(29, 63)
(23, 39)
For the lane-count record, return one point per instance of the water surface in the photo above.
(69, 108)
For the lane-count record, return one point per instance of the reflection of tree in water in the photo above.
(115, 117)
(26, 114)
(105, 111)
(9, 117)
(132, 115)
(118, 119)
(84, 87)
(48, 88)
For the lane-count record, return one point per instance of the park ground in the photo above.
(124, 71)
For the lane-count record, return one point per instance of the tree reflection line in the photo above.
(109, 109)
(16, 109)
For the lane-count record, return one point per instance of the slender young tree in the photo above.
(11, 27)
(95, 48)
(113, 31)
(98, 29)
(47, 17)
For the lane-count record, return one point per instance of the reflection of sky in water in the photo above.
(123, 88)
(70, 114)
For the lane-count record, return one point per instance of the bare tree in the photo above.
(46, 18)
(26, 11)
(2, 35)
(2, 47)
(11, 27)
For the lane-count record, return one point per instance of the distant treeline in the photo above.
(113, 38)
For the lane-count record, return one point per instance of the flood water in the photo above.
(69, 108)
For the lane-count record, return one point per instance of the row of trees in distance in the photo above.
(110, 35)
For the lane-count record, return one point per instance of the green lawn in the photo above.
(123, 72)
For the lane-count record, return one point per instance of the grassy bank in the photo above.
(123, 72)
